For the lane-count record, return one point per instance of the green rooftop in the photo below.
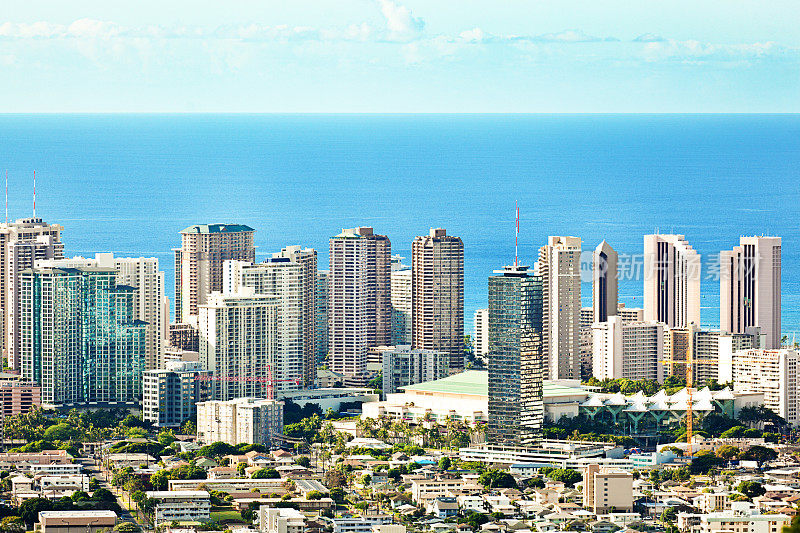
(475, 383)
(217, 228)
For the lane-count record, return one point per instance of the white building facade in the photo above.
(243, 420)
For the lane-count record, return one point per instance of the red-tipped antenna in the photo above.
(34, 194)
(516, 238)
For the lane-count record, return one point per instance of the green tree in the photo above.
(734, 432)
(751, 489)
(669, 515)
(126, 527)
(166, 437)
(29, 509)
(12, 524)
(497, 479)
(303, 461)
(266, 473)
(337, 494)
(314, 495)
(760, 454)
(727, 452)
(567, 476)
(445, 463)
(103, 495)
(703, 461)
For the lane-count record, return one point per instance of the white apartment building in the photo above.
(671, 281)
(403, 366)
(742, 518)
(181, 506)
(559, 266)
(630, 314)
(773, 373)
(22, 243)
(243, 420)
(481, 335)
(284, 280)
(239, 343)
(631, 351)
(401, 304)
(750, 288)
(607, 489)
(322, 316)
(280, 520)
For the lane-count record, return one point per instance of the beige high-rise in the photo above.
(199, 263)
(750, 288)
(559, 266)
(21, 244)
(437, 295)
(307, 259)
(359, 300)
(671, 281)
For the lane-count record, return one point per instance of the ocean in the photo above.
(129, 183)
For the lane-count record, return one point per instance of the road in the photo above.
(129, 512)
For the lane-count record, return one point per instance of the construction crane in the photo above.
(690, 362)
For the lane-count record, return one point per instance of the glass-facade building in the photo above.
(80, 338)
(515, 358)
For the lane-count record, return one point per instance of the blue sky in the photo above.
(400, 56)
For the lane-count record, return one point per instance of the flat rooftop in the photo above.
(476, 383)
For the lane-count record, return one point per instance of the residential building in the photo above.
(238, 344)
(671, 281)
(481, 336)
(750, 288)
(516, 356)
(72, 521)
(81, 337)
(284, 281)
(322, 316)
(142, 275)
(184, 336)
(604, 282)
(630, 314)
(437, 294)
(180, 506)
(607, 490)
(403, 365)
(742, 518)
(280, 520)
(18, 396)
(170, 393)
(243, 420)
(632, 351)
(773, 373)
(176, 355)
(559, 267)
(587, 319)
(199, 263)
(359, 300)
(22, 243)
(708, 347)
(401, 304)
(307, 259)
(330, 398)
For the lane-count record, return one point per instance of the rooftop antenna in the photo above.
(34, 194)
(6, 196)
(516, 238)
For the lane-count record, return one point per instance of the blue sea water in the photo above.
(129, 183)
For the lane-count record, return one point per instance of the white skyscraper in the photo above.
(671, 281)
(481, 340)
(283, 280)
(750, 288)
(401, 304)
(239, 343)
(632, 351)
(21, 243)
(559, 266)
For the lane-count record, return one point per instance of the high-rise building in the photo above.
(199, 263)
(607, 489)
(750, 288)
(481, 340)
(184, 336)
(516, 358)
(559, 266)
(773, 373)
(322, 316)
(403, 365)
(141, 274)
(283, 280)
(604, 282)
(630, 314)
(437, 295)
(239, 421)
(708, 348)
(671, 281)
(359, 300)
(21, 244)
(632, 351)
(81, 338)
(401, 304)
(171, 393)
(587, 319)
(307, 259)
(238, 343)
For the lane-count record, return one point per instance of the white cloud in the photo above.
(401, 25)
(649, 38)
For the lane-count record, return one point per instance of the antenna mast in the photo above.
(34, 194)
(6, 196)
(516, 238)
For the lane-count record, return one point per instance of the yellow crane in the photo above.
(690, 362)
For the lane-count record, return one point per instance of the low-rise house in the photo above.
(357, 524)
(181, 506)
(134, 460)
(222, 472)
(305, 486)
(72, 521)
(443, 507)
(500, 504)
(471, 503)
(51, 487)
(230, 485)
(281, 520)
